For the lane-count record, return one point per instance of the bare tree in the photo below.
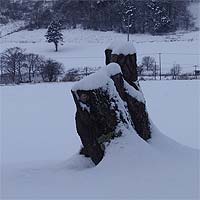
(175, 71)
(33, 64)
(12, 63)
(140, 69)
(18, 67)
(72, 75)
(51, 70)
(148, 62)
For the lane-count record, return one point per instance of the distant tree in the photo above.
(148, 62)
(140, 69)
(3, 20)
(175, 71)
(158, 17)
(40, 16)
(33, 64)
(18, 67)
(72, 75)
(51, 70)
(12, 61)
(145, 16)
(127, 12)
(54, 33)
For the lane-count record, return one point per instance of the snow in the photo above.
(178, 103)
(10, 27)
(119, 47)
(93, 81)
(84, 107)
(113, 69)
(100, 79)
(39, 143)
(134, 93)
(39, 147)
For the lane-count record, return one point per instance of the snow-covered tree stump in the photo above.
(108, 102)
(98, 112)
(124, 54)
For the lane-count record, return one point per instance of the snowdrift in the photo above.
(33, 168)
(132, 168)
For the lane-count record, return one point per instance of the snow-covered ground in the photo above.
(85, 48)
(39, 145)
(10, 27)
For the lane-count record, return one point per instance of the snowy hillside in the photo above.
(84, 48)
(11, 27)
(40, 145)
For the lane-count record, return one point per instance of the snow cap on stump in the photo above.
(125, 48)
(98, 79)
(124, 54)
(113, 69)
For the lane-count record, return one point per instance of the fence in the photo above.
(166, 66)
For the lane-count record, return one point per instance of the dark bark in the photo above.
(137, 109)
(108, 53)
(139, 117)
(29, 75)
(56, 46)
(128, 64)
(91, 125)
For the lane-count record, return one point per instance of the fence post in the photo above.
(128, 28)
(86, 71)
(160, 66)
(155, 72)
(195, 71)
(1, 67)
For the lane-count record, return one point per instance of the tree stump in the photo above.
(127, 61)
(123, 54)
(97, 117)
(107, 101)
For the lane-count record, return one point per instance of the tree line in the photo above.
(146, 16)
(17, 66)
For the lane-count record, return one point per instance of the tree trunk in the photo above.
(128, 64)
(56, 46)
(108, 53)
(29, 74)
(94, 118)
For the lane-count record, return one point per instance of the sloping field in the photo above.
(85, 48)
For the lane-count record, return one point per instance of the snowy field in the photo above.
(85, 48)
(39, 144)
(39, 147)
(6, 29)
